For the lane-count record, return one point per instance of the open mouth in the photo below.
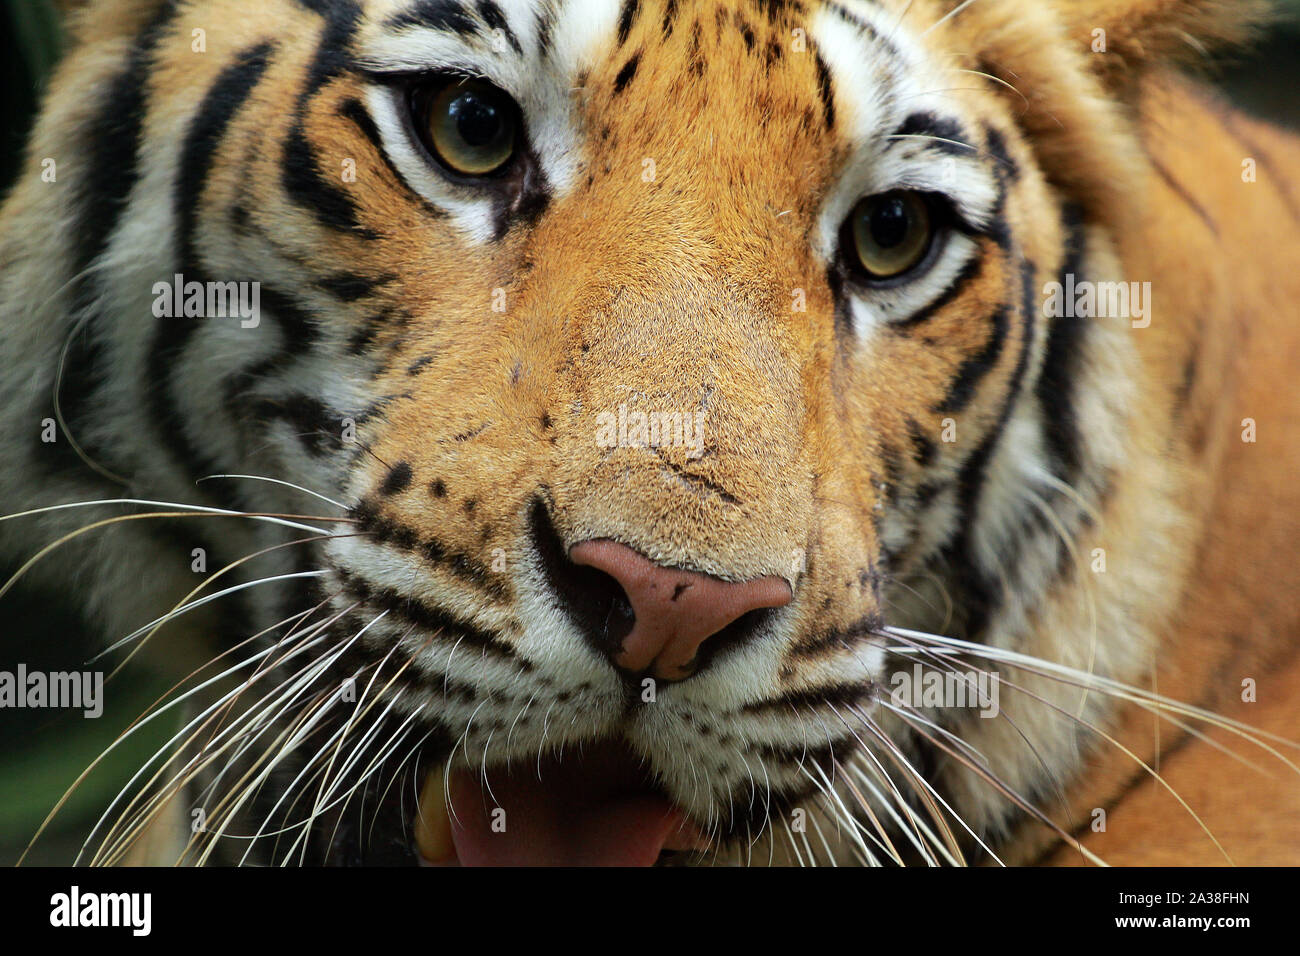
(594, 806)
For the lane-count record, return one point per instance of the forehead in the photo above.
(800, 106)
(852, 56)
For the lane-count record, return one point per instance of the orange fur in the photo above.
(1233, 307)
(675, 293)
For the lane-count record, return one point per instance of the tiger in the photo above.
(668, 432)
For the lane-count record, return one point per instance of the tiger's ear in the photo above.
(1131, 35)
(1071, 69)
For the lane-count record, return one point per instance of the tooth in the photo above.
(432, 824)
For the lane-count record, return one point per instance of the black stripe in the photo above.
(926, 492)
(774, 51)
(971, 271)
(865, 28)
(397, 480)
(925, 123)
(380, 405)
(670, 15)
(996, 144)
(352, 109)
(429, 619)
(972, 371)
(841, 638)
(365, 335)
(350, 286)
(425, 680)
(300, 176)
(695, 58)
(747, 32)
(802, 754)
(806, 702)
(495, 19)
(385, 530)
(626, 18)
(437, 14)
(775, 10)
(223, 100)
(982, 589)
(824, 89)
(545, 28)
(316, 427)
(171, 335)
(113, 141)
(298, 325)
(1187, 381)
(301, 179)
(327, 8)
(923, 446)
(112, 146)
(1061, 355)
(625, 75)
(419, 364)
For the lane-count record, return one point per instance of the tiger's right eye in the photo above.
(470, 126)
(889, 234)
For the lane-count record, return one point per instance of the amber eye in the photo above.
(889, 234)
(470, 126)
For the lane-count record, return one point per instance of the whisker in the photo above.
(278, 481)
(1000, 81)
(183, 606)
(213, 711)
(1128, 692)
(154, 625)
(154, 711)
(927, 793)
(946, 17)
(27, 565)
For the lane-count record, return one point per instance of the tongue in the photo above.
(593, 810)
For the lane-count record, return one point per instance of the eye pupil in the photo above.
(477, 121)
(890, 223)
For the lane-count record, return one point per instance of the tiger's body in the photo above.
(905, 461)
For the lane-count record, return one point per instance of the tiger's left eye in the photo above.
(470, 126)
(888, 235)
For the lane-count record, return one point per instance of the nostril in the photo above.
(649, 618)
(599, 605)
(594, 600)
(678, 612)
(733, 635)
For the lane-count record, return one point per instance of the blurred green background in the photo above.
(42, 752)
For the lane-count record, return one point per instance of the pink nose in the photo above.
(676, 611)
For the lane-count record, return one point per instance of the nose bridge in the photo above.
(696, 344)
(678, 398)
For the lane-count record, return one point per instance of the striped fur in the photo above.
(941, 456)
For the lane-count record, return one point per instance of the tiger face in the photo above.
(666, 369)
(569, 225)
